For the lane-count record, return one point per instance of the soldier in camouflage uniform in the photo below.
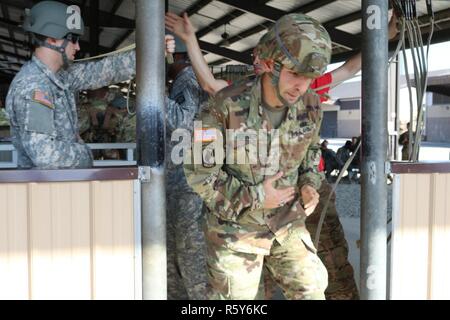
(41, 102)
(186, 262)
(127, 128)
(253, 220)
(84, 119)
(332, 247)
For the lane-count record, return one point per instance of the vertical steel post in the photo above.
(150, 75)
(374, 149)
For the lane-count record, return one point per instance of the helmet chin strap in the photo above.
(275, 79)
(61, 50)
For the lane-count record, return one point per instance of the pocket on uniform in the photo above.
(40, 119)
(220, 284)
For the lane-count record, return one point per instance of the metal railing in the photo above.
(11, 154)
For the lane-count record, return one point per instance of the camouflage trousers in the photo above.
(333, 251)
(294, 266)
(186, 262)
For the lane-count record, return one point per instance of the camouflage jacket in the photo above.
(183, 105)
(4, 122)
(233, 190)
(42, 109)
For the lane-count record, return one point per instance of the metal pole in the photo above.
(150, 67)
(374, 149)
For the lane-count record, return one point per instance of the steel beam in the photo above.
(374, 149)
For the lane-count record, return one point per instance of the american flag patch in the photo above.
(42, 98)
(205, 135)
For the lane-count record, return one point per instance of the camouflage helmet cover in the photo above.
(300, 43)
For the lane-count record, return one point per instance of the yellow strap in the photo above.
(125, 49)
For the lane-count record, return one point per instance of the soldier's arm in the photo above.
(184, 29)
(96, 74)
(353, 65)
(223, 193)
(37, 131)
(179, 116)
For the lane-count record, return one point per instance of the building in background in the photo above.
(342, 113)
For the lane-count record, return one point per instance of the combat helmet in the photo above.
(54, 20)
(297, 42)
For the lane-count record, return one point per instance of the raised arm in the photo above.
(353, 65)
(110, 70)
(182, 27)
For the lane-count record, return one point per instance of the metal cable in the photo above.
(327, 203)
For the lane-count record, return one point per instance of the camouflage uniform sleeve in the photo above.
(309, 169)
(181, 110)
(39, 139)
(179, 116)
(93, 75)
(224, 194)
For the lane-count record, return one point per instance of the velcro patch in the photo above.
(43, 98)
(205, 135)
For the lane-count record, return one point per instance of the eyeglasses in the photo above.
(74, 38)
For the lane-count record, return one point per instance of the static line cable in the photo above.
(420, 116)
(325, 207)
(408, 82)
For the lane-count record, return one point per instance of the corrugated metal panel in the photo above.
(109, 36)
(179, 6)
(13, 242)
(127, 9)
(15, 14)
(59, 240)
(106, 5)
(353, 27)
(287, 5)
(4, 32)
(440, 238)
(335, 9)
(67, 241)
(113, 240)
(420, 238)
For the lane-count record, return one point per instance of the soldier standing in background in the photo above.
(4, 121)
(186, 262)
(403, 140)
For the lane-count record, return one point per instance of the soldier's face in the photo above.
(71, 49)
(292, 85)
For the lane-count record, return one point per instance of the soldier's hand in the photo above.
(181, 26)
(310, 198)
(275, 198)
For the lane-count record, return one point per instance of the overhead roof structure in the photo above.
(111, 25)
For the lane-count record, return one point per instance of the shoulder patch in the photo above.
(43, 98)
(205, 135)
